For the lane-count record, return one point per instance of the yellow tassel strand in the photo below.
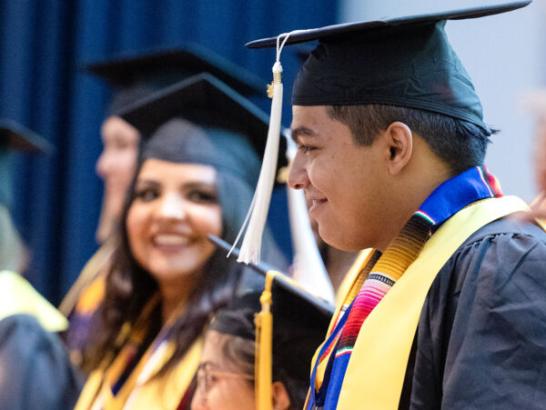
(263, 368)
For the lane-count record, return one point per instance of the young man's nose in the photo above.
(297, 175)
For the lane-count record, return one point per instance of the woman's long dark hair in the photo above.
(129, 286)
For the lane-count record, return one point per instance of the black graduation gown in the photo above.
(481, 339)
(35, 371)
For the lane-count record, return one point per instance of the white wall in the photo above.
(506, 57)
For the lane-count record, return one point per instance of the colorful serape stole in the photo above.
(383, 270)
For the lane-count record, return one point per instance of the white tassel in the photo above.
(257, 214)
(308, 268)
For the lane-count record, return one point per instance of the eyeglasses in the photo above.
(207, 376)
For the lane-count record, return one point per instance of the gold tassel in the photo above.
(263, 367)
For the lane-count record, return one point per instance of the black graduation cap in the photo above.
(403, 61)
(287, 323)
(137, 75)
(207, 102)
(299, 327)
(15, 136)
(303, 51)
(262, 268)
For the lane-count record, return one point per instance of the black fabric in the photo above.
(237, 319)
(128, 95)
(136, 76)
(481, 339)
(208, 102)
(468, 11)
(35, 371)
(163, 66)
(180, 141)
(298, 326)
(403, 61)
(409, 66)
(15, 136)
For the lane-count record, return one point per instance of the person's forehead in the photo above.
(175, 171)
(309, 119)
(315, 122)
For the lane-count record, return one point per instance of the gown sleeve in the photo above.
(35, 371)
(481, 341)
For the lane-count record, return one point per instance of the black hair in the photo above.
(460, 144)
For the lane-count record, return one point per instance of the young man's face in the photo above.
(345, 181)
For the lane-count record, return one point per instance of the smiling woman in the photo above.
(175, 207)
(193, 179)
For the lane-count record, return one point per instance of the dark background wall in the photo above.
(43, 44)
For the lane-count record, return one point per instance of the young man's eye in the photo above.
(146, 194)
(212, 379)
(306, 148)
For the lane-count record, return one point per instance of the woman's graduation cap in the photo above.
(405, 61)
(286, 322)
(138, 75)
(206, 102)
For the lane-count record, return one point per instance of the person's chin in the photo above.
(333, 234)
(167, 272)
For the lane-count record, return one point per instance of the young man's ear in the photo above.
(399, 141)
(281, 399)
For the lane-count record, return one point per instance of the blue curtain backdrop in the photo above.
(43, 45)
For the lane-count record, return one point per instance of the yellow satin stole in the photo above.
(385, 339)
(143, 390)
(17, 296)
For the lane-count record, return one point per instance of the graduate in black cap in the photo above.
(135, 76)
(195, 177)
(448, 310)
(248, 366)
(132, 77)
(35, 370)
(13, 138)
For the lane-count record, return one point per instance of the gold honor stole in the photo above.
(17, 296)
(143, 389)
(385, 338)
(86, 294)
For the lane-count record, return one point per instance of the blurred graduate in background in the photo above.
(257, 355)
(196, 177)
(35, 371)
(132, 77)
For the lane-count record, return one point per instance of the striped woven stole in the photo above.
(388, 269)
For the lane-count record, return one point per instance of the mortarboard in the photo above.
(207, 102)
(135, 76)
(287, 323)
(405, 61)
(16, 137)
